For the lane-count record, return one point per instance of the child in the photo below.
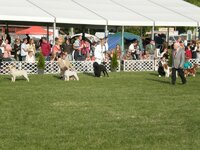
(187, 64)
(30, 58)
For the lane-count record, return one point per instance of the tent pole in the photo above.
(167, 36)
(122, 38)
(6, 31)
(196, 33)
(48, 32)
(54, 31)
(152, 32)
(106, 30)
(141, 32)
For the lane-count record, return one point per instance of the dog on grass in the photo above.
(191, 71)
(163, 69)
(98, 69)
(69, 74)
(17, 73)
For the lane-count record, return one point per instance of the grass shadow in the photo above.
(89, 74)
(160, 81)
(154, 74)
(57, 77)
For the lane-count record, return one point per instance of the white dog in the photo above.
(16, 73)
(69, 73)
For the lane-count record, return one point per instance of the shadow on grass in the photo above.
(89, 74)
(159, 81)
(154, 74)
(57, 77)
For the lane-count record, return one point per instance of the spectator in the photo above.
(67, 48)
(188, 53)
(187, 64)
(56, 49)
(85, 49)
(30, 58)
(134, 50)
(45, 48)
(107, 57)
(17, 48)
(118, 50)
(28, 38)
(7, 51)
(31, 46)
(193, 48)
(165, 54)
(198, 50)
(77, 48)
(24, 50)
(2, 45)
(128, 55)
(150, 49)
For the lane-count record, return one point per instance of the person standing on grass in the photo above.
(178, 59)
(99, 52)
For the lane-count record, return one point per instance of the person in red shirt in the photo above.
(45, 49)
(188, 52)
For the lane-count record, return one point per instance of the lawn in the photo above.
(127, 111)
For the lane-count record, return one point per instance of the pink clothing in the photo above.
(7, 51)
(46, 49)
(56, 49)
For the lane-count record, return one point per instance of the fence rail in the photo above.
(85, 66)
(52, 67)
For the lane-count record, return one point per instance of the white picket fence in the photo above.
(52, 67)
(85, 66)
(138, 65)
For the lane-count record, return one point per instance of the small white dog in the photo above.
(16, 73)
(69, 73)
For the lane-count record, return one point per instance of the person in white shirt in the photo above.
(30, 58)
(134, 48)
(99, 52)
(24, 50)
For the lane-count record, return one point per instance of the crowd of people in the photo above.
(81, 49)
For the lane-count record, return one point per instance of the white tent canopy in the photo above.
(102, 12)
(66, 11)
(115, 14)
(22, 10)
(181, 7)
(161, 15)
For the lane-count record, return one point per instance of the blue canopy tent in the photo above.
(114, 39)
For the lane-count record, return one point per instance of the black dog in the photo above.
(98, 69)
(161, 71)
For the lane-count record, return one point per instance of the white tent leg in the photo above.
(106, 30)
(152, 32)
(54, 31)
(196, 33)
(47, 32)
(122, 38)
(168, 36)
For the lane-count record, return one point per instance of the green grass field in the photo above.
(126, 111)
